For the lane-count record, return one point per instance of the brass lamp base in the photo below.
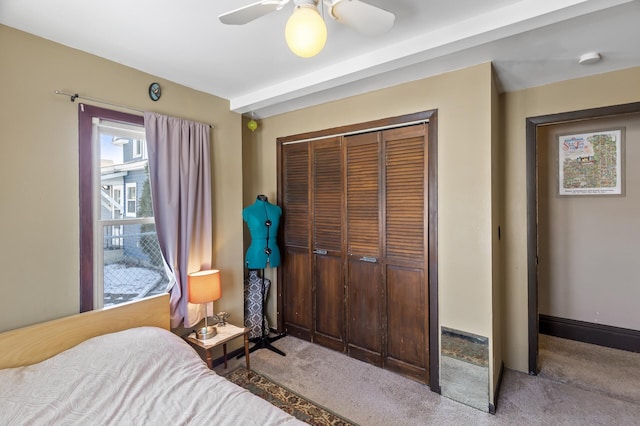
(205, 333)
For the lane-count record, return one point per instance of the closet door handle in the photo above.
(319, 251)
(370, 259)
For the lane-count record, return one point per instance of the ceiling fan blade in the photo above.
(363, 17)
(250, 12)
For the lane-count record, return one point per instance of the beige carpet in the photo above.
(609, 371)
(371, 396)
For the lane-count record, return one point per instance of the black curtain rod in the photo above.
(74, 96)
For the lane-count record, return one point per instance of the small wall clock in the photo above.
(154, 91)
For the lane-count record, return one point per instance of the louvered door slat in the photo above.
(363, 205)
(404, 184)
(327, 195)
(296, 197)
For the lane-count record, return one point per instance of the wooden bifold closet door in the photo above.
(365, 292)
(354, 273)
(326, 242)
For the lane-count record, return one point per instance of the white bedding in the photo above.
(141, 376)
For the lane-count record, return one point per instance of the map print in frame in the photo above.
(590, 163)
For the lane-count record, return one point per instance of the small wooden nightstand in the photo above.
(225, 333)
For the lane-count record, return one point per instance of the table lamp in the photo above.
(204, 287)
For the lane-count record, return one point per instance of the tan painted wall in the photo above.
(463, 99)
(601, 90)
(39, 172)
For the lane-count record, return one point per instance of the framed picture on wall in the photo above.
(591, 163)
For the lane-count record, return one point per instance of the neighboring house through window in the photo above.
(120, 259)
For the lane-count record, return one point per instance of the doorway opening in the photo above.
(533, 130)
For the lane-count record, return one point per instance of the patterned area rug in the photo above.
(289, 401)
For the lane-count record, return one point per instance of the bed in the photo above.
(121, 366)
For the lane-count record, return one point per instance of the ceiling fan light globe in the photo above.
(306, 32)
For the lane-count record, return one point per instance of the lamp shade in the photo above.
(306, 32)
(204, 286)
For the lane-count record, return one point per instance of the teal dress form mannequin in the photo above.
(263, 219)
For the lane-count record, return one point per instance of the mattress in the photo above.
(140, 376)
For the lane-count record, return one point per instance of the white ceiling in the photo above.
(530, 42)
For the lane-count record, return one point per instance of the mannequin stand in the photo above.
(264, 341)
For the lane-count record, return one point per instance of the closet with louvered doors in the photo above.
(354, 275)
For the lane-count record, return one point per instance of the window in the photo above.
(137, 148)
(116, 196)
(114, 201)
(132, 199)
(120, 259)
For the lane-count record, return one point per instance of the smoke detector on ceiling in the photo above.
(589, 58)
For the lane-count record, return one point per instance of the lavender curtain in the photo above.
(180, 178)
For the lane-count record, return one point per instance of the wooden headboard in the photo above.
(35, 343)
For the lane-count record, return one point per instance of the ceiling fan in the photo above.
(306, 31)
